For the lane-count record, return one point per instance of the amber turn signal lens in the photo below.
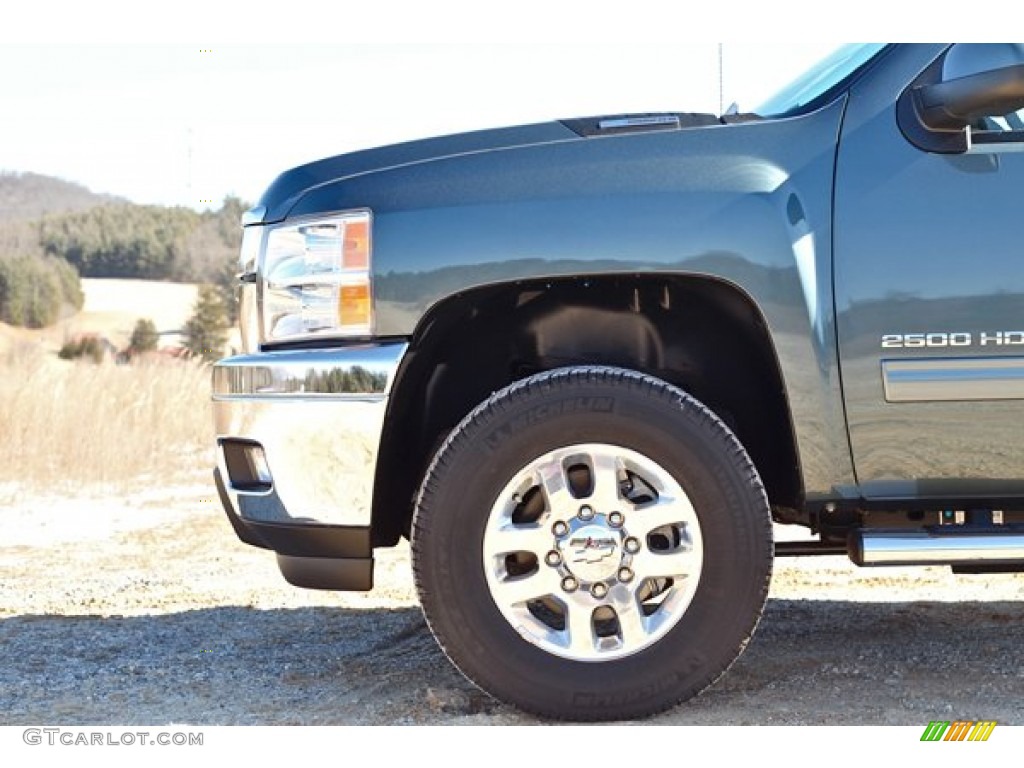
(354, 304)
(357, 245)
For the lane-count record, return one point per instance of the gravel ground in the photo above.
(145, 609)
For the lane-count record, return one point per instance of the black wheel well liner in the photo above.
(699, 333)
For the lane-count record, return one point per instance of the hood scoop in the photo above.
(611, 125)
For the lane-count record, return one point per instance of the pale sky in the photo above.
(184, 124)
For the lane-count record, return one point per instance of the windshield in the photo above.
(819, 79)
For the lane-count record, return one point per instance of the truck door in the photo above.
(929, 275)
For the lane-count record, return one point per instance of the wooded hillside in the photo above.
(53, 231)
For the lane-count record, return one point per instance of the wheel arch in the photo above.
(702, 334)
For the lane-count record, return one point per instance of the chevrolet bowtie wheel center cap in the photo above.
(592, 552)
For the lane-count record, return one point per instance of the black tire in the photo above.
(603, 410)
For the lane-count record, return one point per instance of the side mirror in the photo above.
(954, 104)
(971, 82)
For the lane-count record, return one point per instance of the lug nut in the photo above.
(625, 574)
(632, 545)
(615, 519)
(586, 513)
(599, 590)
(569, 584)
(553, 559)
(559, 528)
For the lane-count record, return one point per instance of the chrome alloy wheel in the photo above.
(592, 552)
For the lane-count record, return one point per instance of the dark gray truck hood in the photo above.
(291, 185)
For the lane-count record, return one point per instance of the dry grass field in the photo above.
(111, 309)
(71, 424)
(68, 424)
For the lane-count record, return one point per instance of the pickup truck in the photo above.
(588, 367)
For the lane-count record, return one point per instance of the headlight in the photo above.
(316, 279)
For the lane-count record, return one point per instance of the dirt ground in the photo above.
(145, 609)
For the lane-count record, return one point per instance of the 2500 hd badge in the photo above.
(954, 339)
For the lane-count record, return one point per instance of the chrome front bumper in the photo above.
(298, 433)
